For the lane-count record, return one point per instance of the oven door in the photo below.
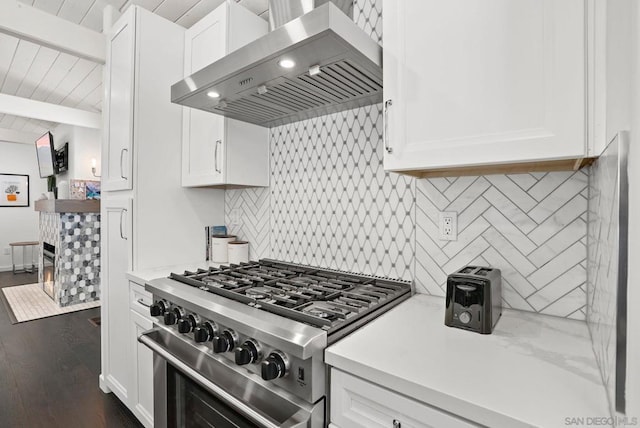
(192, 388)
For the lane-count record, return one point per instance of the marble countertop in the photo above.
(534, 370)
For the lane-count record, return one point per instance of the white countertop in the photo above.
(143, 275)
(533, 370)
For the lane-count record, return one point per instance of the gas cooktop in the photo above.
(322, 298)
(267, 321)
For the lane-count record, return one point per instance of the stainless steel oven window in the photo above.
(191, 406)
(236, 395)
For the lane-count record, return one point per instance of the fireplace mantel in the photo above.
(68, 206)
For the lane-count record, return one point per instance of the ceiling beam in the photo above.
(13, 136)
(34, 25)
(33, 109)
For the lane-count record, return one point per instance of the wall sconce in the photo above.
(93, 168)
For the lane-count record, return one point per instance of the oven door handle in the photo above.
(204, 382)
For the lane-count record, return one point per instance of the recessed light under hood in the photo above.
(336, 66)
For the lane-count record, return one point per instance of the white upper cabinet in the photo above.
(117, 165)
(217, 151)
(474, 83)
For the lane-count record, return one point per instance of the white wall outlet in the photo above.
(6, 251)
(448, 224)
(236, 217)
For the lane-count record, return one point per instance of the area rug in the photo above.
(30, 302)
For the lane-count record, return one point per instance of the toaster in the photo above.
(474, 300)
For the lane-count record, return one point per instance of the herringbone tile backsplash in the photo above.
(253, 206)
(531, 226)
(331, 203)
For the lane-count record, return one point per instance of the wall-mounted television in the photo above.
(62, 159)
(50, 160)
(46, 155)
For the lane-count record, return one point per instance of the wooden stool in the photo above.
(24, 246)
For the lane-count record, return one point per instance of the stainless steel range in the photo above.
(243, 345)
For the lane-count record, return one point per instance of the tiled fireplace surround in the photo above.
(76, 238)
(331, 203)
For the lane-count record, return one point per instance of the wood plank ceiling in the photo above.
(31, 71)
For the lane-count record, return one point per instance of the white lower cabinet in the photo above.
(142, 358)
(356, 403)
(116, 254)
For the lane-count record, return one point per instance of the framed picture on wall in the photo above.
(14, 190)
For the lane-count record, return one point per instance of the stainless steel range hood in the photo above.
(337, 67)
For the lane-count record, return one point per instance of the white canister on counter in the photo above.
(219, 252)
(238, 252)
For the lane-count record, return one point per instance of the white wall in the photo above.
(633, 321)
(17, 223)
(623, 113)
(84, 144)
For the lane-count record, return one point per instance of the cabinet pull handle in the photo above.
(387, 104)
(143, 303)
(397, 424)
(215, 152)
(124, 210)
(121, 158)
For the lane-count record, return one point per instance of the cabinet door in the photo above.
(475, 83)
(203, 133)
(117, 149)
(359, 404)
(142, 397)
(116, 256)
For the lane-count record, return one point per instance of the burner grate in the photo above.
(323, 298)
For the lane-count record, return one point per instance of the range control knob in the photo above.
(204, 332)
(188, 323)
(224, 342)
(274, 366)
(465, 317)
(172, 316)
(158, 308)
(248, 352)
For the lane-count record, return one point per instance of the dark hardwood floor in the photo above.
(49, 371)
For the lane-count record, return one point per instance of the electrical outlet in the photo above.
(6, 251)
(448, 226)
(236, 217)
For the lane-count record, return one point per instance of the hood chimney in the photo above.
(283, 11)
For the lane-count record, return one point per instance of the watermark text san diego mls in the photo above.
(601, 421)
